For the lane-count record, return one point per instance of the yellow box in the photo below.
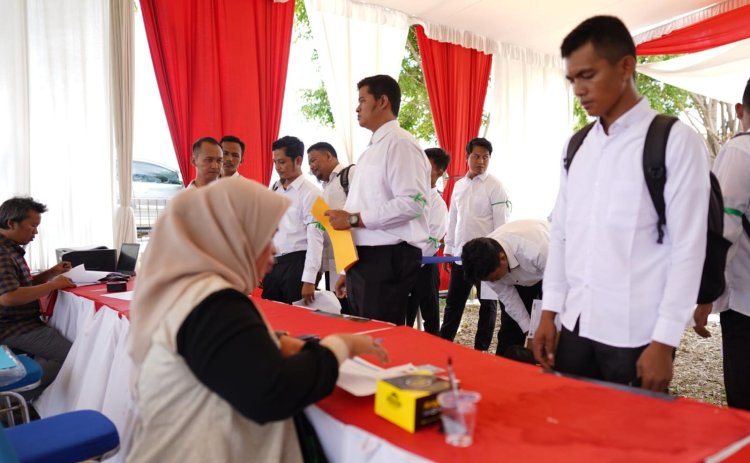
(410, 401)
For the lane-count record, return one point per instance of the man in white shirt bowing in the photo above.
(384, 208)
(299, 239)
(624, 299)
(479, 204)
(511, 260)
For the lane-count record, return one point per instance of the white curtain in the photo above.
(354, 41)
(720, 73)
(530, 120)
(56, 108)
(122, 75)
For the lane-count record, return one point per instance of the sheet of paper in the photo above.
(324, 300)
(125, 296)
(358, 377)
(79, 275)
(342, 242)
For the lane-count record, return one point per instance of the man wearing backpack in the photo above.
(324, 165)
(623, 287)
(732, 168)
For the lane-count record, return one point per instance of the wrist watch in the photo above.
(353, 220)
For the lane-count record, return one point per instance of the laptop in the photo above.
(128, 258)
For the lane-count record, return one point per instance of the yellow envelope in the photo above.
(343, 244)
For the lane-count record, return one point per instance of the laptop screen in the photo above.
(128, 258)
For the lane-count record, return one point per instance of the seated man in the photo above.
(511, 260)
(20, 323)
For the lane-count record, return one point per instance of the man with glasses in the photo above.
(479, 205)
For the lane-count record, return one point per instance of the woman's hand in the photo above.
(360, 344)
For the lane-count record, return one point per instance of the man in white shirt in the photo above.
(424, 296)
(479, 204)
(732, 169)
(385, 208)
(624, 299)
(207, 159)
(324, 165)
(299, 239)
(511, 260)
(234, 154)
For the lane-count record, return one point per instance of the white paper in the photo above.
(358, 377)
(79, 275)
(536, 316)
(325, 301)
(125, 296)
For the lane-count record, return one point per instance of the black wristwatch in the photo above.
(353, 220)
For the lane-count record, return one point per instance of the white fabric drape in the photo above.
(530, 120)
(354, 41)
(55, 108)
(122, 76)
(720, 73)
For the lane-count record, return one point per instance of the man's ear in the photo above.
(739, 110)
(627, 64)
(192, 161)
(384, 102)
(298, 161)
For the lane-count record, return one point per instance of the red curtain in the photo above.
(718, 30)
(221, 69)
(456, 79)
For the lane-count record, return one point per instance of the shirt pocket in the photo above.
(623, 204)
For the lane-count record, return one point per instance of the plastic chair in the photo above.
(65, 438)
(10, 392)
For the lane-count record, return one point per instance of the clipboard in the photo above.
(344, 252)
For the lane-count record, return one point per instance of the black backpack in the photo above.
(344, 178)
(713, 282)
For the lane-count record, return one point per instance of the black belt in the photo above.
(289, 257)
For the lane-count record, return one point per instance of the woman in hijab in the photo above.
(211, 380)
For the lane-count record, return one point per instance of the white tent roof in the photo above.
(537, 25)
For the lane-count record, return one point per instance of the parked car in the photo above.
(153, 186)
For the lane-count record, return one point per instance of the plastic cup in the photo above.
(459, 415)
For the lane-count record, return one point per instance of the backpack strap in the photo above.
(740, 134)
(344, 178)
(655, 168)
(575, 143)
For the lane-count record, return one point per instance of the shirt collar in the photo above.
(637, 113)
(480, 177)
(512, 261)
(335, 172)
(384, 130)
(295, 184)
(9, 243)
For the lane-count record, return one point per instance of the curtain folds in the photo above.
(718, 30)
(221, 69)
(354, 41)
(456, 80)
(122, 76)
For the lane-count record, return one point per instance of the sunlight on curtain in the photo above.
(60, 144)
(354, 41)
(530, 121)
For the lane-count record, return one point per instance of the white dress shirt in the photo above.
(298, 229)
(437, 218)
(605, 267)
(390, 190)
(732, 169)
(526, 244)
(335, 196)
(478, 206)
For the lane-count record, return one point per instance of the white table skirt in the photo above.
(96, 376)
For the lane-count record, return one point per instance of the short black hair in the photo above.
(483, 142)
(293, 146)
(233, 139)
(202, 140)
(380, 85)
(746, 96)
(439, 157)
(480, 256)
(323, 146)
(16, 209)
(608, 34)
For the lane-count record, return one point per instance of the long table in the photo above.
(524, 415)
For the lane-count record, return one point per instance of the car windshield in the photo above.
(152, 173)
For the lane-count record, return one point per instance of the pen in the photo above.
(377, 341)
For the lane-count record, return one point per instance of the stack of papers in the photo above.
(358, 377)
(80, 276)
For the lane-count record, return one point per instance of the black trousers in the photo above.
(735, 342)
(583, 357)
(284, 282)
(424, 297)
(378, 285)
(458, 293)
(510, 334)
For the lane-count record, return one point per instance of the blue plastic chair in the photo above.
(10, 392)
(66, 438)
